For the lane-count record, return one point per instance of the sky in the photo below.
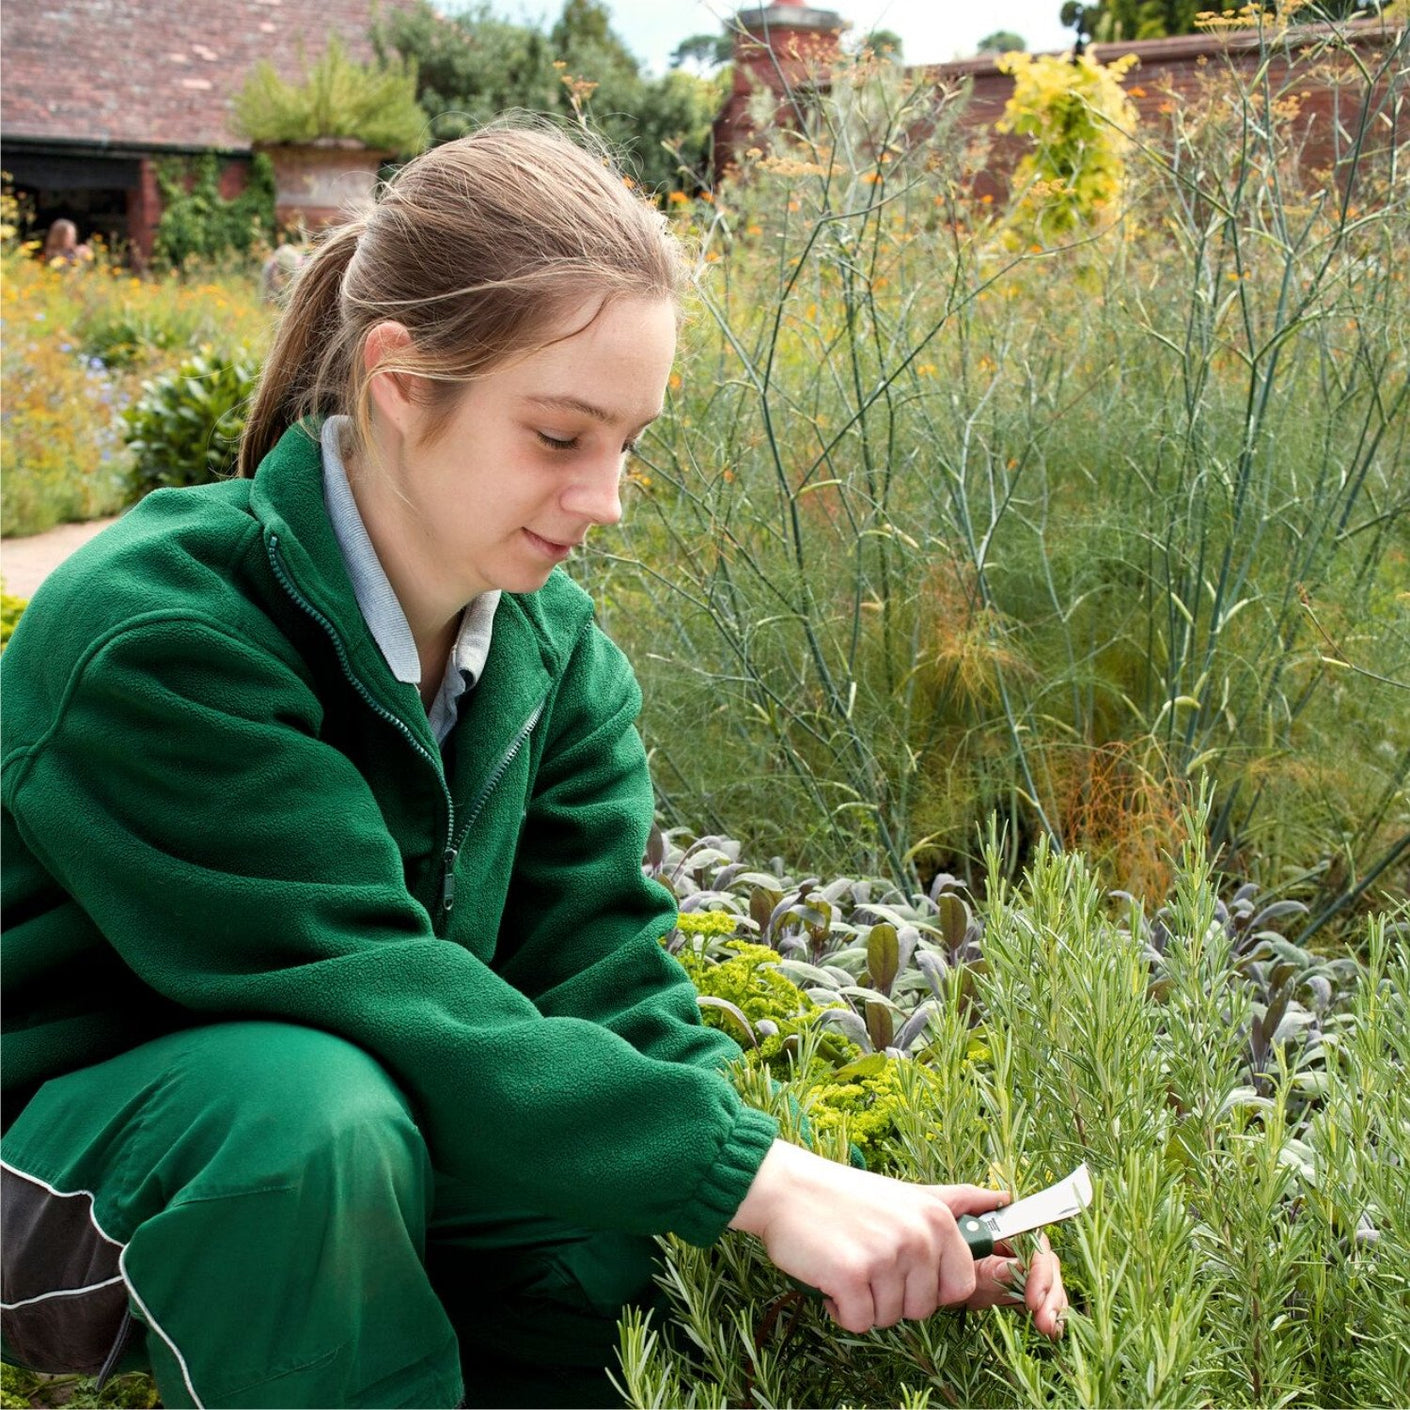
(931, 31)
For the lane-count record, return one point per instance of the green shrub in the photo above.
(374, 104)
(1242, 1106)
(185, 429)
(199, 224)
(20, 1388)
(11, 609)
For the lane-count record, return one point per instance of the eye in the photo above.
(555, 443)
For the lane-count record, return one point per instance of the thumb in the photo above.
(971, 1199)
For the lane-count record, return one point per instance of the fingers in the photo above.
(998, 1283)
(1044, 1293)
(957, 1276)
(853, 1309)
(971, 1199)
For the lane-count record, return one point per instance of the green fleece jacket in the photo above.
(219, 802)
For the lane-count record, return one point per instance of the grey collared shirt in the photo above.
(379, 605)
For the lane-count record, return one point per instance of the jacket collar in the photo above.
(533, 633)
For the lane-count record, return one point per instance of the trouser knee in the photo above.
(264, 1185)
(252, 1106)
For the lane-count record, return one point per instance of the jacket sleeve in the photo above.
(241, 866)
(583, 924)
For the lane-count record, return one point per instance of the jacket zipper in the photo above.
(276, 562)
(457, 841)
(453, 851)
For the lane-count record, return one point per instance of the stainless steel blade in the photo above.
(1061, 1201)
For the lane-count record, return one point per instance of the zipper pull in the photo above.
(448, 888)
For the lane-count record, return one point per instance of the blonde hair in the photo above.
(481, 248)
(61, 237)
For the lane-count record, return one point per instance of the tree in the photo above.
(1113, 21)
(472, 67)
(885, 42)
(584, 37)
(705, 51)
(1002, 41)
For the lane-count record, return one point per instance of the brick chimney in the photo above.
(776, 48)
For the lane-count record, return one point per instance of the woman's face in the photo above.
(529, 461)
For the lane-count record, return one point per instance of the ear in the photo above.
(391, 391)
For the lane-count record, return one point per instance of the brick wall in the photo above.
(1172, 75)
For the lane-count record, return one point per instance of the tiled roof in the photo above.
(154, 73)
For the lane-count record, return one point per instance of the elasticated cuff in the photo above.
(705, 1215)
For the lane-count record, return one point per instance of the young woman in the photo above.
(343, 1065)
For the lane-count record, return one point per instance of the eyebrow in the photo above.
(587, 408)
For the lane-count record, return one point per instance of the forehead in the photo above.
(613, 368)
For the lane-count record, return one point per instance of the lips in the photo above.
(551, 548)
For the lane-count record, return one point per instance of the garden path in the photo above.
(26, 562)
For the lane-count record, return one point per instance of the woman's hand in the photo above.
(1003, 1281)
(881, 1249)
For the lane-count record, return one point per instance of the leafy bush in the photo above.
(1079, 117)
(11, 609)
(185, 429)
(472, 66)
(199, 224)
(374, 104)
(1250, 1238)
(20, 1389)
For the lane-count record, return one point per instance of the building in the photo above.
(784, 49)
(93, 93)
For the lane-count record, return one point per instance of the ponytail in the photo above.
(306, 347)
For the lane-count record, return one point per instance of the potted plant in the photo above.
(329, 132)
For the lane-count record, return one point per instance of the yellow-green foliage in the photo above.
(861, 1102)
(750, 982)
(706, 923)
(839, 1091)
(1080, 120)
(11, 608)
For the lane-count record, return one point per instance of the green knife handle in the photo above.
(976, 1235)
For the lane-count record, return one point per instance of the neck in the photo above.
(434, 656)
(434, 620)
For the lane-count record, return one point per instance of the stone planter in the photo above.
(317, 184)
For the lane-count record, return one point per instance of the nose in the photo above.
(596, 493)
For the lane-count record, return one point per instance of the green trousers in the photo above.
(252, 1206)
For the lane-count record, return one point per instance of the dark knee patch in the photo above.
(65, 1302)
